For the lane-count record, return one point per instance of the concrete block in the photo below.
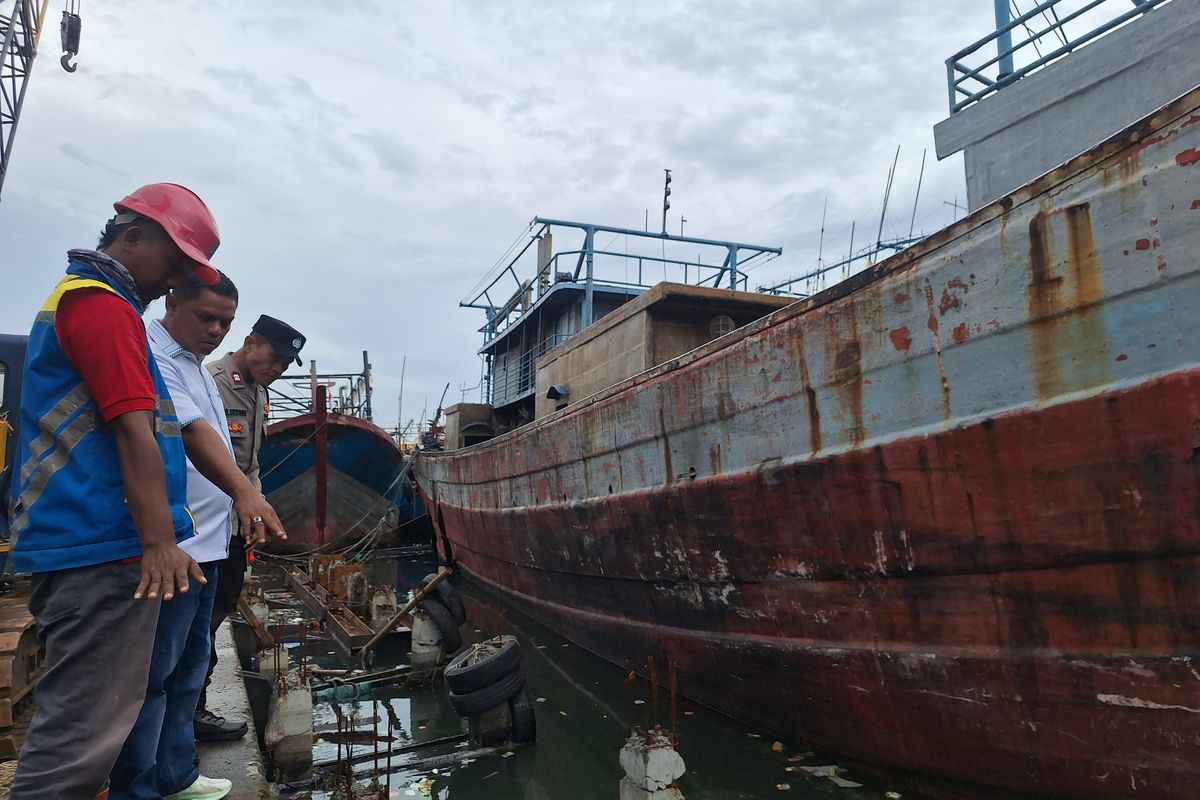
(493, 727)
(289, 731)
(426, 648)
(631, 791)
(650, 761)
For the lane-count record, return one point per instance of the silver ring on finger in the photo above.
(256, 520)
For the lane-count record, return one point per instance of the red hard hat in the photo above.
(185, 218)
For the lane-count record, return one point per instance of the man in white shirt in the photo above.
(158, 759)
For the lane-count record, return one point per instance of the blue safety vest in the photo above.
(68, 499)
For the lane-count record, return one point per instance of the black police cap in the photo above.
(286, 340)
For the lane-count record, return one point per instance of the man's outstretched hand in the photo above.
(165, 570)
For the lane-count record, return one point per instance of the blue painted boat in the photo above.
(368, 492)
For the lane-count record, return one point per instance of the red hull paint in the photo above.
(1057, 650)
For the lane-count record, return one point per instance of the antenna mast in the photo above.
(666, 200)
(912, 223)
(886, 193)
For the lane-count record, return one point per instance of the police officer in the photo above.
(242, 377)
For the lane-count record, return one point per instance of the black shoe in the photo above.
(211, 728)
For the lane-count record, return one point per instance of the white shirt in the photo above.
(196, 397)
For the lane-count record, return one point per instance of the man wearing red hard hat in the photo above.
(99, 498)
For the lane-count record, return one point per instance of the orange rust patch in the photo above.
(810, 395)
(1187, 157)
(1195, 204)
(1042, 303)
(932, 323)
(1081, 245)
(949, 301)
(1161, 262)
(1142, 244)
(901, 338)
(902, 297)
(960, 333)
(937, 349)
(1064, 318)
(845, 353)
(1122, 357)
(847, 367)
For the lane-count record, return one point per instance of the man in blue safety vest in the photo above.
(99, 490)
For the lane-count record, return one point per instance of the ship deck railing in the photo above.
(507, 299)
(1045, 39)
(511, 385)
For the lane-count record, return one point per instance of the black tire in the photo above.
(447, 596)
(442, 618)
(462, 677)
(470, 704)
(524, 723)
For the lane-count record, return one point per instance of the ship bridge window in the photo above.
(721, 325)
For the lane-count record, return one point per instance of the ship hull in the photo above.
(941, 517)
(364, 490)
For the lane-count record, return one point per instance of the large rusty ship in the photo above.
(940, 516)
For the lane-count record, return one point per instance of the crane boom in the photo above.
(19, 35)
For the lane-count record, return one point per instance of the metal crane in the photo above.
(20, 33)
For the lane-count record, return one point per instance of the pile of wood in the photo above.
(22, 660)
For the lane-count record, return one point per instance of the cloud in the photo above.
(73, 152)
(368, 165)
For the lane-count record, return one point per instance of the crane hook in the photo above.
(70, 28)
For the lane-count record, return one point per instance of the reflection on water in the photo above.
(583, 714)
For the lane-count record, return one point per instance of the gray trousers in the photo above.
(98, 643)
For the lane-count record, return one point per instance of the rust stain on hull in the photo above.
(1068, 341)
(810, 398)
(933, 326)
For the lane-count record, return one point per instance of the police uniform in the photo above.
(246, 409)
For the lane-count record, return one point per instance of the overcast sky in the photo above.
(369, 162)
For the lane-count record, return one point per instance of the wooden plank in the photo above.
(6, 674)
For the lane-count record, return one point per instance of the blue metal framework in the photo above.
(892, 245)
(20, 31)
(500, 315)
(968, 84)
(573, 287)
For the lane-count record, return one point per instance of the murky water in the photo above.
(584, 711)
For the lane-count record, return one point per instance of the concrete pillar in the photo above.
(289, 731)
(426, 649)
(651, 767)
(491, 728)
